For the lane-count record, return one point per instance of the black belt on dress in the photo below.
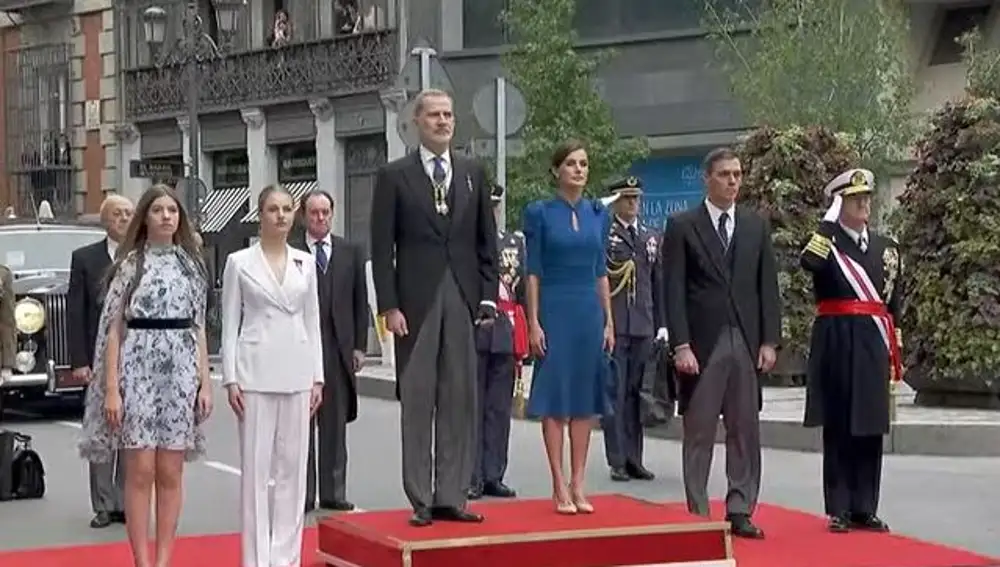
(159, 324)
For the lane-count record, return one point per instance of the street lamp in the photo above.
(193, 48)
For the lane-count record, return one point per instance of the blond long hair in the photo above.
(138, 234)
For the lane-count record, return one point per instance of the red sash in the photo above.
(876, 309)
(515, 313)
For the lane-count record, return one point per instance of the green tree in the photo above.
(840, 64)
(558, 84)
(948, 221)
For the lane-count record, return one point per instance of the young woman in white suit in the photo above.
(272, 367)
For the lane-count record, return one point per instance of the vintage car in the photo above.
(38, 254)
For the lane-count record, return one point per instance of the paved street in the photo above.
(950, 500)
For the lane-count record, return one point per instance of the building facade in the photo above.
(662, 85)
(86, 92)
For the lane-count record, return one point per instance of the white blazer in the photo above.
(271, 338)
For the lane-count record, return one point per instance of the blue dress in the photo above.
(570, 380)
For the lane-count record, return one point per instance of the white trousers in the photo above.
(274, 443)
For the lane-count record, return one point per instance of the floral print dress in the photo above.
(158, 368)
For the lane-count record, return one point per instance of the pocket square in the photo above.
(468, 182)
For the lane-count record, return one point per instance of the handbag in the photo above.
(22, 475)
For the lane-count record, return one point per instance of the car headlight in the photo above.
(24, 361)
(29, 316)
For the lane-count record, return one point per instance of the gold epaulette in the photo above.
(624, 275)
(818, 245)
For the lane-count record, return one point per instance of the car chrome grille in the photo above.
(56, 340)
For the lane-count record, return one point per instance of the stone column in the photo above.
(393, 101)
(262, 158)
(330, 160)
(130, 148)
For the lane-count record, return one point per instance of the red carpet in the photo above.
(794, 539)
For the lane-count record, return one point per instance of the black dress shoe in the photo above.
(743, 527)
(639, 472)
(100, 520)
(619, 474)
(838, 525)
(498, 490)
(452, 514)
(336, 505)
(117, 517)
(475, 492)
(869, 522)
(421, 517)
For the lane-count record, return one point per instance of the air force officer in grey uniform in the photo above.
(634, 273)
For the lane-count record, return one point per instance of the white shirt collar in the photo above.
(715, 212)
(427, 156)
(634, 224)
(112, 247)
(326, 240)
(855, 235)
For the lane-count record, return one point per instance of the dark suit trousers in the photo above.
(496, 400)
(623, 434)
(852, 473)
(107, 485)
(728, 386)
(331, 421)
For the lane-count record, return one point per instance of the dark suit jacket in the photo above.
(343, 303)
(708, 289)
(412, 245)
(84, 300)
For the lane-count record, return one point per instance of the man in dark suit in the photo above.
(343, 304)
(724, 318)
(434, 262)
(84, 301)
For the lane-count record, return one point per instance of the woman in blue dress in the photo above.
(569, 318)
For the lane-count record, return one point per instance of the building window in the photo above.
(39, 152)
(136, 47)
(954, 24)
(481, 26)
(230, 170)
(297, 162)
(598, 19)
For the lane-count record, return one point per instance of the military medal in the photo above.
(439, 199)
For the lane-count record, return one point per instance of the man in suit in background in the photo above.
(8, 325)
(434, 262)
(84, 301)
(724, 319)
(343, 304)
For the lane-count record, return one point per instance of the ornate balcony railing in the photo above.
(351, 64)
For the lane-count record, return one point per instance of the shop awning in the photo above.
(220, 206)
(297, 189)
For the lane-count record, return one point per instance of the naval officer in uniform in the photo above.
(635, 278)
(854, 351)
(502, 347)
